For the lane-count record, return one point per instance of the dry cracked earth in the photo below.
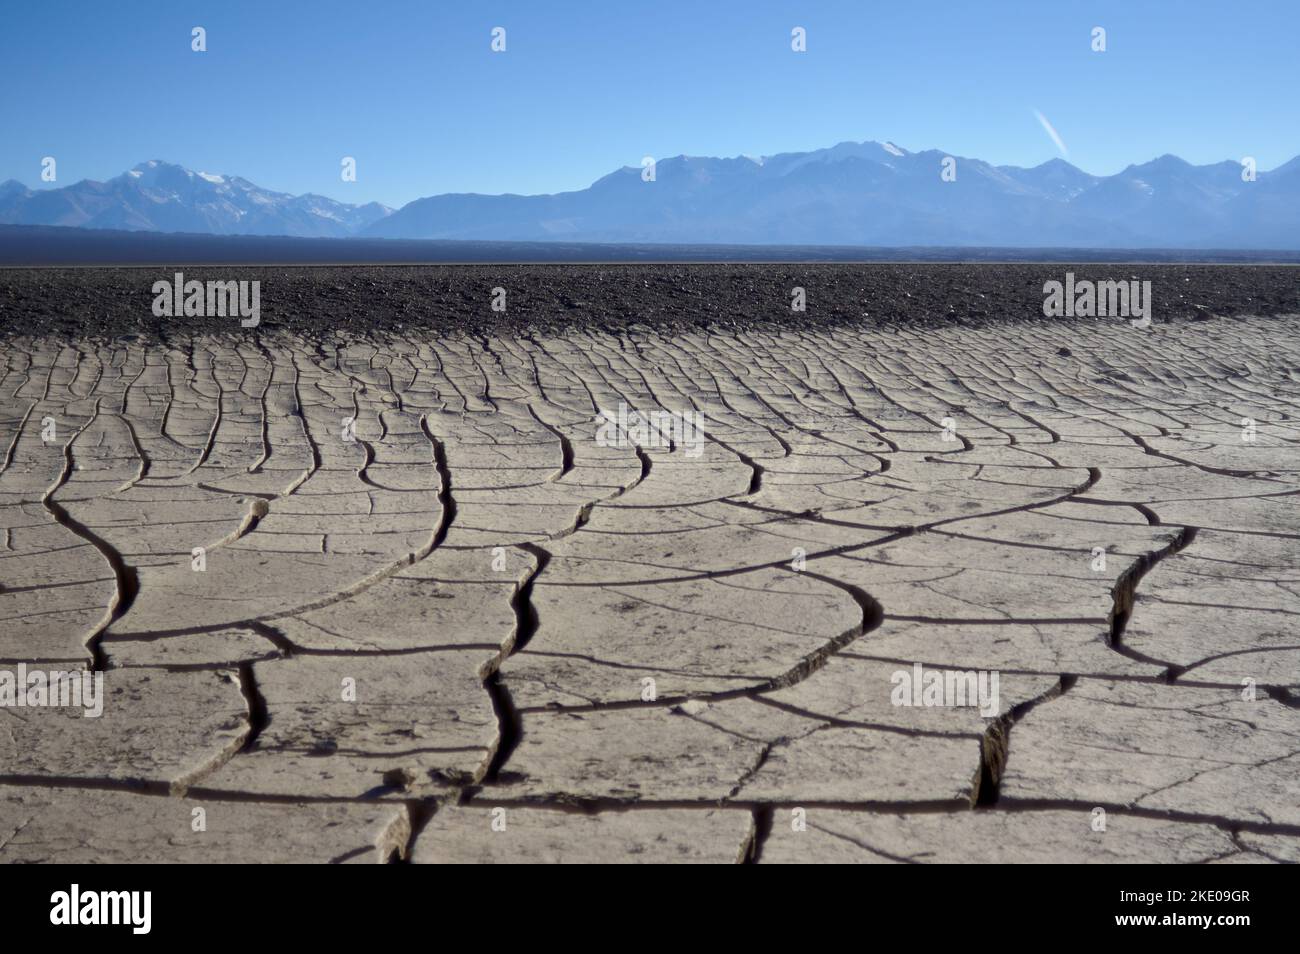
(437, 615)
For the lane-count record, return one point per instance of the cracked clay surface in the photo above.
(412, 599)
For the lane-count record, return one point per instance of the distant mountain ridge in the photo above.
(862, 194)
(157, 196)
(877, 194)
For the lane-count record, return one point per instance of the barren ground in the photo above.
(333, 302)
(560, 647)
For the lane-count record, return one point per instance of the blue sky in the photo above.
(414, 93)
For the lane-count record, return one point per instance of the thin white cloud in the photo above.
(1051, 131)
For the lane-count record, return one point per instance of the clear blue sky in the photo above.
(412, 90)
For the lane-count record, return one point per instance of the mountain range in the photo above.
(158, 196)
(865, 194)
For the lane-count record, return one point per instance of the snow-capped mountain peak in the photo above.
(162, 196)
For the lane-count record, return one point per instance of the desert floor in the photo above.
(411, 597)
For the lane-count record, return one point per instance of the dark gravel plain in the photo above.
(322, 301)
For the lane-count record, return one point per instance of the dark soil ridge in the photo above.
(444, 300)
